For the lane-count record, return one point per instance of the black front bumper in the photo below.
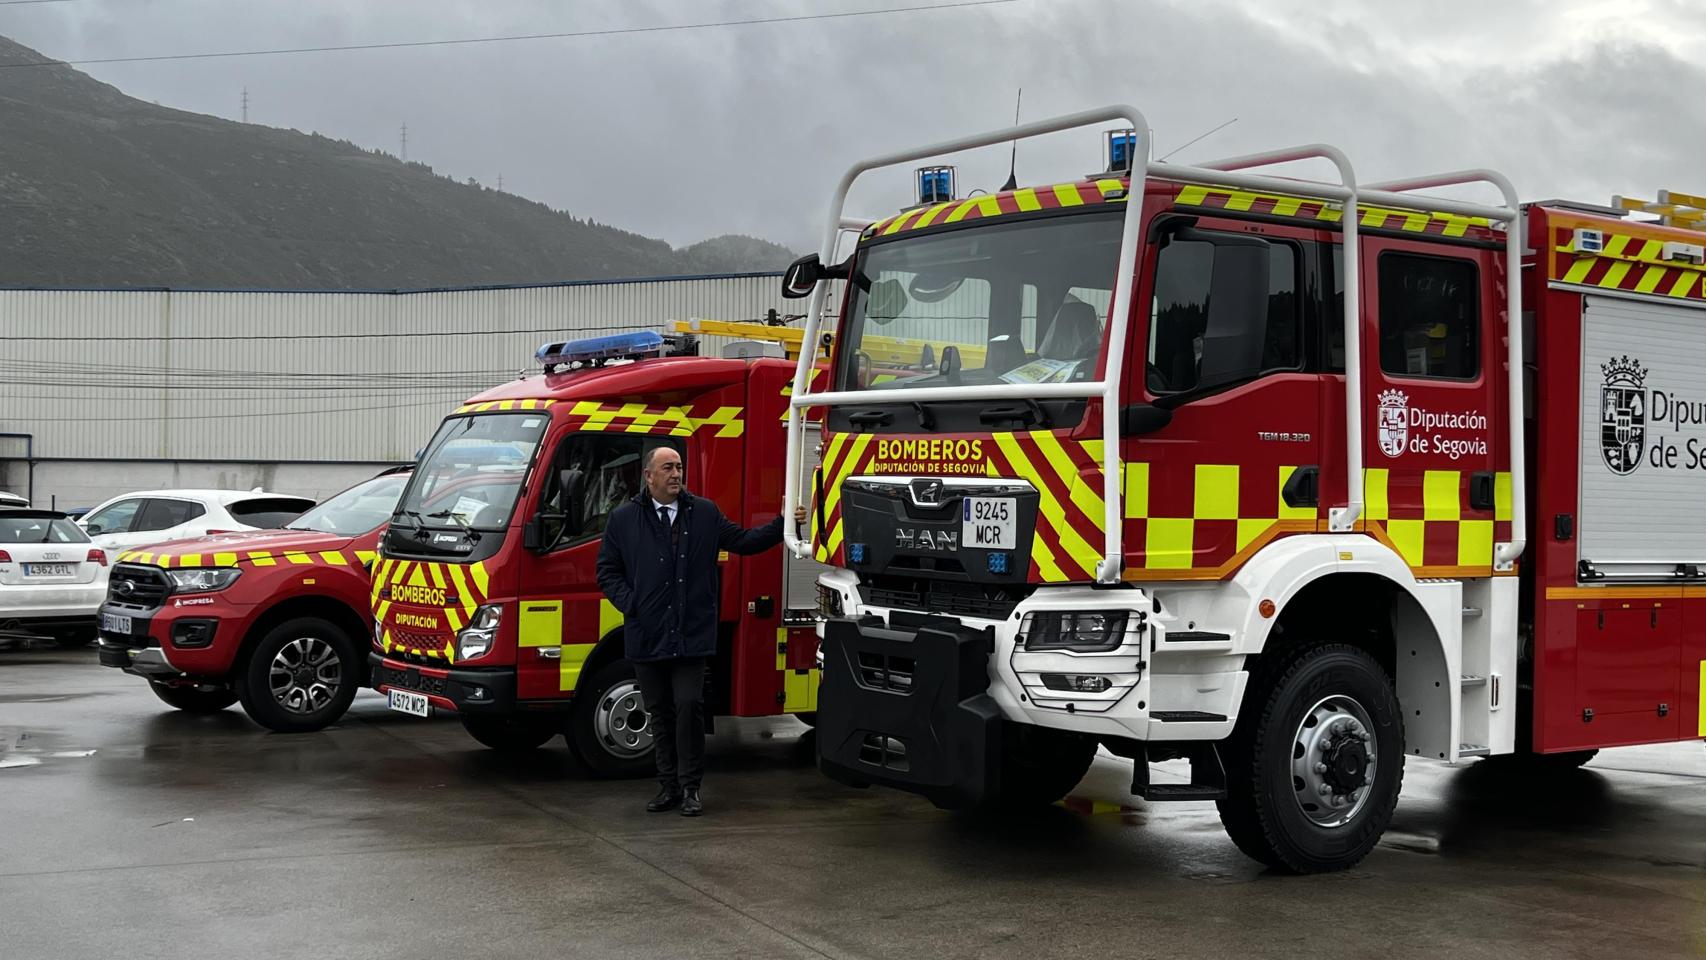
(906, 705)
(495, 686)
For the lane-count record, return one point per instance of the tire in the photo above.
(1039, 765)
(203, 698)
(315, 667)
(512, 733)
(1333, 702)
(608, 728)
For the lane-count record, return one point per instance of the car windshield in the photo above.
(356, 510)
(40, 530)
(1017, 302)
(470, 475)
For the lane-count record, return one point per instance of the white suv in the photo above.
(143, 519)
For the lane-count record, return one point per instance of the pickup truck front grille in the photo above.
(137, 587)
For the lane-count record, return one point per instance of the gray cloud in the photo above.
(684, 135)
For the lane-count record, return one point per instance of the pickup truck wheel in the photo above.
(301, 677)
(1316, 760)
(609, 728)
(200, 698)
(1040, 765)
(512, 734)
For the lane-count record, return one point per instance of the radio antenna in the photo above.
(1013, 160)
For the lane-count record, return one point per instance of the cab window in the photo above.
(1225, 310)
(1430, 321)
(593, 474)
(114, 518)
(166, 514)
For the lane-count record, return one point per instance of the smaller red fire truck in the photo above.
(274, 618)
(484, 596)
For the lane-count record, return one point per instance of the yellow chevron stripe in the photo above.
(481, 580)
(261, 559)
(461, 580)
(334, 557)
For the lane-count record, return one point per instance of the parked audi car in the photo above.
(155, 516)
(52, 578)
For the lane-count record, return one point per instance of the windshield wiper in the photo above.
(467, 531)
(420, 524)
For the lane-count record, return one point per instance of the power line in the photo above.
(230, 416)
(19, 3)
(576, 34)
(60, 338)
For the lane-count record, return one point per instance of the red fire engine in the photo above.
(1186, 463)
(484, 595)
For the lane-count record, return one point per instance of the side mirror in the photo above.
(802, 277)
(92, 528)
(533, 534)
(1137, 419)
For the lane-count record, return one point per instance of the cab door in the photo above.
(1432, 394)
(562, 612)
(1219, 338)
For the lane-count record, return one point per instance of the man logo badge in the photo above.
(1394, 422)
(1622, 415)
(926, 493)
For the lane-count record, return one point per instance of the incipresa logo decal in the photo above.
(1434, 430)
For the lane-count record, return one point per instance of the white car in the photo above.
(11, 500)
(52, 579)
(137, 520)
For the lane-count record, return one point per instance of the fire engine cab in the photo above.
(484, 596)
(1185, 463)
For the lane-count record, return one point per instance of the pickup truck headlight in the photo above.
(202, 579)
(1080, 631)
(477, 638)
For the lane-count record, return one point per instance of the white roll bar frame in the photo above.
(1229, 173)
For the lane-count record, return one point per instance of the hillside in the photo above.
(101, 189)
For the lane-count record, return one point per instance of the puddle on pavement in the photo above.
(19, 748)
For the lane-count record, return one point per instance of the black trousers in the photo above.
(674, 691)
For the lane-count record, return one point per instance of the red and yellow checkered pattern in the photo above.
(1424, 516)
(1203, 521)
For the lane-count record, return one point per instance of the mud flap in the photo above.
(907, 705)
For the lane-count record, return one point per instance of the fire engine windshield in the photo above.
(1016, 302)
(471, 473)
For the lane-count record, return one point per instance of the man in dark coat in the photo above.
(658, 565)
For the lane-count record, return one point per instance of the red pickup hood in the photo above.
(258, 547)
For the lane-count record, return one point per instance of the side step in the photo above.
(1473, 750)
(1208, 776)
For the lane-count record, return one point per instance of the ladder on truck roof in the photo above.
(1230, 172)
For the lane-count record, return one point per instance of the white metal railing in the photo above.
(1229, 172)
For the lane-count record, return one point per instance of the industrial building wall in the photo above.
(243, 381)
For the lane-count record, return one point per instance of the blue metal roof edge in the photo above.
(397, 291)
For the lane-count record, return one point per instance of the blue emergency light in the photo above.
(1122, 147)
(935, 184)
(596, 350)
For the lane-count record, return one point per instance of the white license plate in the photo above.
(48, 569)
(990, 523)
(115, 623)
(413, 704)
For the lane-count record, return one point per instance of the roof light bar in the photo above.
(594, 351)
(1122, 146)
(935, 184)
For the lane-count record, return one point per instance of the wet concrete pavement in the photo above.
(388, 836)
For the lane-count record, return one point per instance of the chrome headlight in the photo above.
(202, 579)
(1080, 631)
(477, 638)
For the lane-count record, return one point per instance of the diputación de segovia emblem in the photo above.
(1394, 422)
(1622, 415)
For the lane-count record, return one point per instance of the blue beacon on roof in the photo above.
(616, 346)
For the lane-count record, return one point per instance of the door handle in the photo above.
(1481, 490)
(1303, 487)
(549, 653)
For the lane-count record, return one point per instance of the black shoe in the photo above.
(691, 805)
(666, 799)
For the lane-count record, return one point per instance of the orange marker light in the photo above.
(1267, 608)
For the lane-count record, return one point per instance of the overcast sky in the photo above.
(683, 135)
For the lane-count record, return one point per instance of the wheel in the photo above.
(200, 698)
(609, 728)
(512, 733)
(1316, 760)
(1039, 765)
(301, 677)
(809, 718)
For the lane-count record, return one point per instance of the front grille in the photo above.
(879, 750)
(408, 680)
(137, 587)
(415, 641)
(882, 672)
(950, 599)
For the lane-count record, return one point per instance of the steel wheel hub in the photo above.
(1333, 761)
(305, 675)
(623, 727)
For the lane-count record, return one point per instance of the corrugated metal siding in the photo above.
(292, 376)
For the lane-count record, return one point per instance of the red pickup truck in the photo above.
(275, 618)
